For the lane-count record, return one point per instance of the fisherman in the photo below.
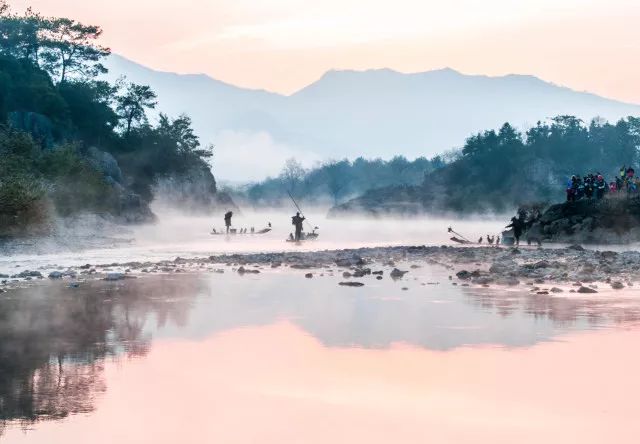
(227, 220)
(497, 241)
(490, 239)
(297, 222)
(480, 240)
(517, 225)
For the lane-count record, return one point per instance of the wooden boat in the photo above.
(305, 237)
(237, 233)
(460, 241)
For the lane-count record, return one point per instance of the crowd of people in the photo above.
(595, 186)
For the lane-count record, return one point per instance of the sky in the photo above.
(283, 45)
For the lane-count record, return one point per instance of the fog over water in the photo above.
(183, 235)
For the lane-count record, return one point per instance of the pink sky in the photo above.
(283, 45)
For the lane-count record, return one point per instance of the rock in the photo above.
(114, 277)
(28, 274)
(351, 284)
(608, 255)
(556, 290)
(541, 264)
(346, 275)
(4, 276)
(503, 266)
(55, 275)
(586, 290)
(74, 285)
(243, 270)
(575, 247)
(617, 285)
(509, 281)
(396, 274)
(379, 278)
(350, 262)
(361, 272)
(483, 280)
(308, 275)
(378, 273)
(463, 274)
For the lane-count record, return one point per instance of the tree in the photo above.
(20, 36)
(70, 48)
(292, 174)
(131, 105)
(337, 177)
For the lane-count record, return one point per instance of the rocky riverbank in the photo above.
(543, 270)
(614, 220)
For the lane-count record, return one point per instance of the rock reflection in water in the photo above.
(563, 310)
(54, 341)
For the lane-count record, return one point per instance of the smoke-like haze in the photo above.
(251, 157)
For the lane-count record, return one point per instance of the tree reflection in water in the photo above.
(54, 341)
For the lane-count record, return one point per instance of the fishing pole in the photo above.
(450, 230)
(298, 207)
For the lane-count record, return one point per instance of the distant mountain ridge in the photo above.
(373, 113)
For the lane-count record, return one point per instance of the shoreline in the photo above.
(496, 267)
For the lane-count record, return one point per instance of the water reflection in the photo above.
(54, 340)
(565, 311)
(278, 384)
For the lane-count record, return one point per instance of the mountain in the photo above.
(374, 113)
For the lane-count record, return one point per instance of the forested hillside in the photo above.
(70, 143)
(336, 181)
(500, 170)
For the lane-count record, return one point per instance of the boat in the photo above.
(305, 237)
(235, 232)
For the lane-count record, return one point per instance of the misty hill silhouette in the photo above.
(374, 113)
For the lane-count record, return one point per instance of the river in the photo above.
(276, 357)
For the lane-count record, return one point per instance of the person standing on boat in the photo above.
(297, 222)
(227, 220)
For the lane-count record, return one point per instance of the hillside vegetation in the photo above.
(335, 181)
(70, 143)
(498, 171)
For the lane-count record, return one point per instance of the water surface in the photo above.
(279, 358)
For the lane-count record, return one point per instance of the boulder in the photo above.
(586, 290)
(396, 274)
(114, 277)
(463, 274)
(55, 275)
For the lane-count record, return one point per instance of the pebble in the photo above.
(351, 284)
